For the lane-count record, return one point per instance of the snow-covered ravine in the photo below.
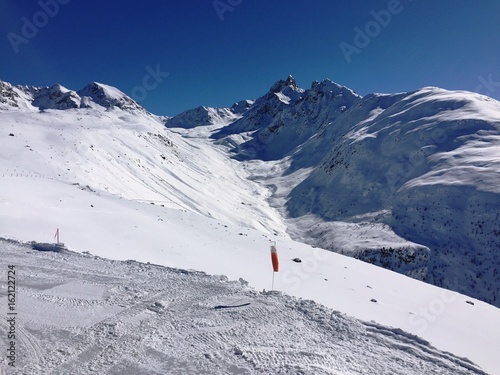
(82, 314)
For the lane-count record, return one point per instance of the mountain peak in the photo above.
(290, 81)
(101, 92)
(201, 116)
(107, 97)
(8, 96)
(55, 97)
(328, 85)
(282, 84)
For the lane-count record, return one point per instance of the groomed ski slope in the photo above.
(81, 314)
(126, 230)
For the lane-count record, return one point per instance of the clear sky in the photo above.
(173, 55)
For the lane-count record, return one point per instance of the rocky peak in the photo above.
(8, 96)
(282, 84)
(56, 97)
(107, 97)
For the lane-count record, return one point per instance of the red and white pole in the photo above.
(274, 260)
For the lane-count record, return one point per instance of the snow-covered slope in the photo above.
(429, 167)
(419, 172)
(109, 226)
(119, 184)
(132, 157)
(80, 314)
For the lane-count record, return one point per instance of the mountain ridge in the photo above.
(60, 98)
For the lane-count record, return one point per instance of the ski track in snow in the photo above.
(81, 314)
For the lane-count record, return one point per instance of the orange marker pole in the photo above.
(274, 260)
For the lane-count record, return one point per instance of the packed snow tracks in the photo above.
(81, 314)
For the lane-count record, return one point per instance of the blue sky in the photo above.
(176, 55)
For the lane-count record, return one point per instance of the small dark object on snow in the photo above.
(373, 300)
(156, 307)
(11, 134)
(297, 260)
(470, 303)
(54, 247)
(218, 307)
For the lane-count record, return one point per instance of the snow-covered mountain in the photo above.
(120, 184)
(427, 165)
(408, 181)
(203, 116)
(59, 97)
(293, 113)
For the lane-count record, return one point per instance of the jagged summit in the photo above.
(287, 116)
(285, 91)
(9, 97)
(281, 84)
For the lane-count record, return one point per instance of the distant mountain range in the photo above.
(407, 181)
(59, 97)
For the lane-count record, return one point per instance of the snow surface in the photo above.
(120, 185)
(81, 314)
